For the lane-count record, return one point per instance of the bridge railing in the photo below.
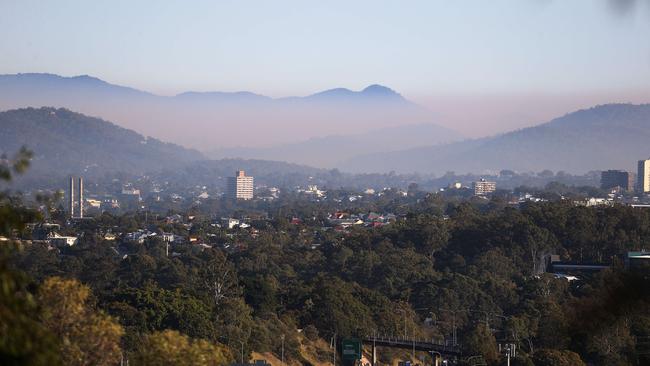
(422, 342)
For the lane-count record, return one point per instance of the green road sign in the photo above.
(351, 349)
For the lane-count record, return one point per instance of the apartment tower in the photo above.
(240, 186)
(611, 179)
(643, 176)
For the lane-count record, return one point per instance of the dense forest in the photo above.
(442, 268)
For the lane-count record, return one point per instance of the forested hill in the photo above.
(613, 136)
(65, 142)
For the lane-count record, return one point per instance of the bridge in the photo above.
(436, 348)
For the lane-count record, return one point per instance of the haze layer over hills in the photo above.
(611, 136)
(219, 121)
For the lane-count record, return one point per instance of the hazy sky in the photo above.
(446, 55)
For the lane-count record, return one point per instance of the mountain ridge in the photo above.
(372, 89)
(203, 120)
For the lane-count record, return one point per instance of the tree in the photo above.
(13, 216)
(219, 279)
(151, 308)
(86, 336)
(481, 341)
(552, 357)
(17, 165)
(175, 349)
(23, 340)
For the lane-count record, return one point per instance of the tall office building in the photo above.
(611, 179)
(240, 186)
(643, 176)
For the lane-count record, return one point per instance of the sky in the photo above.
(483, 66)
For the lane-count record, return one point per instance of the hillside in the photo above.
(610, 136)
(66, 142)
(218, 119)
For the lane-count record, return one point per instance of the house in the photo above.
(62, 241)
(174, 219)
(139, 236)
(296, 221)
(167, 237)
(229, 222)
(110, 236)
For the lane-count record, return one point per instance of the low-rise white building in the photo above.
(62, 241)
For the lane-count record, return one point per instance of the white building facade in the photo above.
(240, 186)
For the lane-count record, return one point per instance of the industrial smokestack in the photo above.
(81, 197)
(71, 197)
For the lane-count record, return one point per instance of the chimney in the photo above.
(81, 197)
(71, 197)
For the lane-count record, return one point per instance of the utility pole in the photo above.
(510, 350)
(282, 349)
(453, 325)
(404, 312)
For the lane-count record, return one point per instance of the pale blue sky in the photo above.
(423, 49)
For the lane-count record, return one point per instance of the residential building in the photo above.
(240, 186)
(483, 187)
(167, 237)
(131, 195)
(229, 222)
(643, 176)
(60, 241)
(613, 179)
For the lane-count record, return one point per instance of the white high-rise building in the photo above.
(643, 176)
(240, 186)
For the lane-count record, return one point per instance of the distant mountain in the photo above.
(330, 151)
(66, 142)
(611, 136)
(213, 120)
(371, 93)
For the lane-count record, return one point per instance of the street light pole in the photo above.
(242, 351)
(413, 343)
